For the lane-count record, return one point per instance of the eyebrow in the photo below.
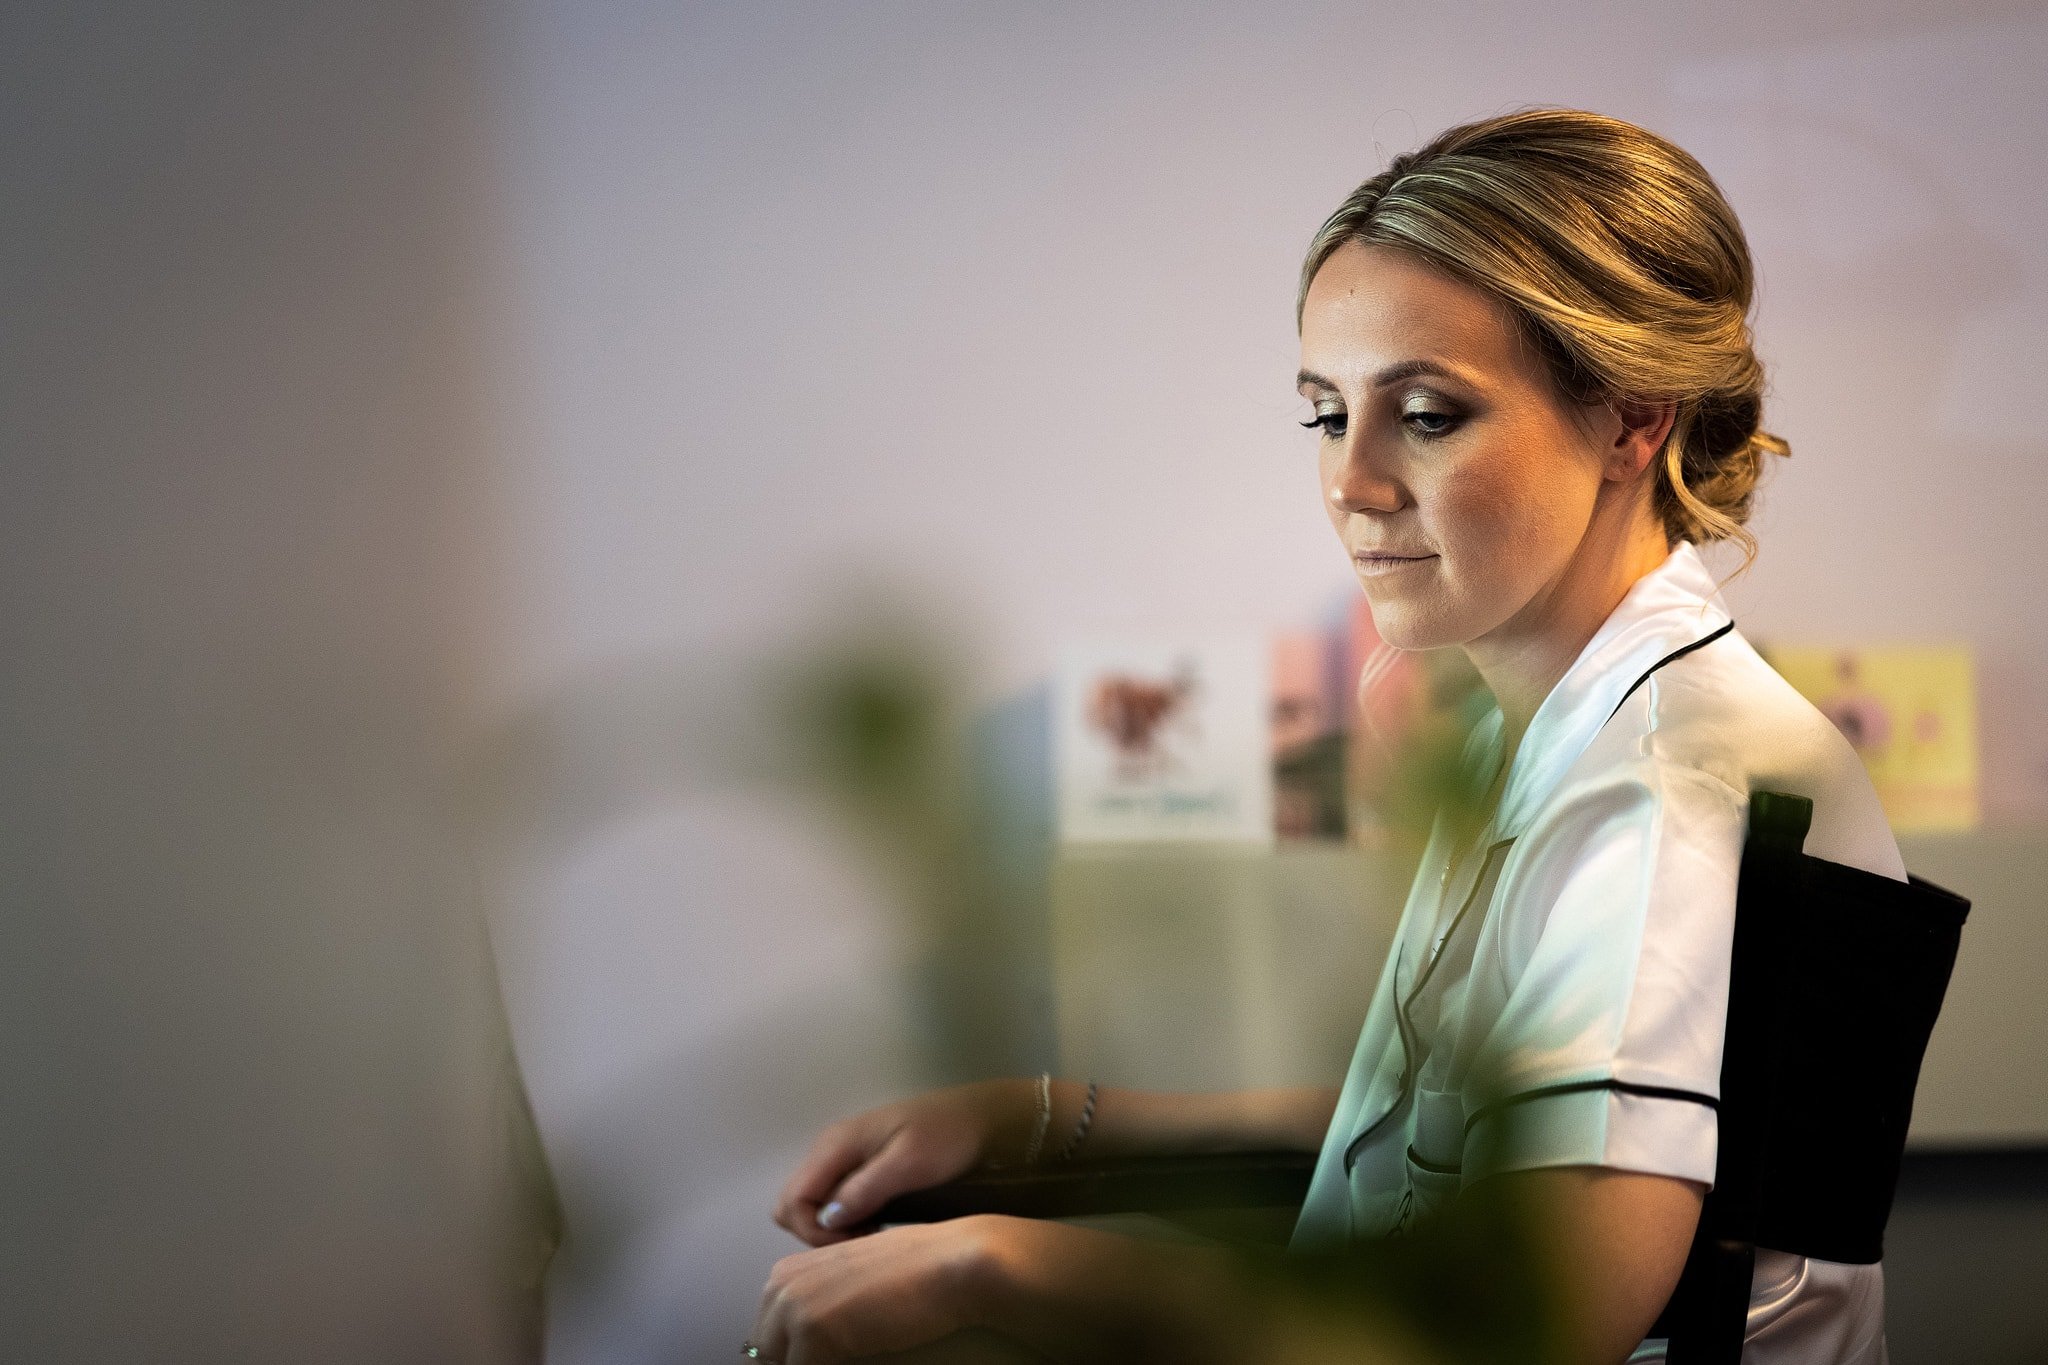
(1392, 374)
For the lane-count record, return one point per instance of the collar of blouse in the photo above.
(1675, 605)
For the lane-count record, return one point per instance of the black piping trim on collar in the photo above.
(1648, 1092)
(1674, 655)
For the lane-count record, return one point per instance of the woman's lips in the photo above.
(1380, 562)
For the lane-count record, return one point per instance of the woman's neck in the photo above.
(1523, 659)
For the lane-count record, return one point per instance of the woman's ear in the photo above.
(1642, 427)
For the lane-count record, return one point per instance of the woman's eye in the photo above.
(1426, 422)
(1331, 422)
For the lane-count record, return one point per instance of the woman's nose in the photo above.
(1360, 482)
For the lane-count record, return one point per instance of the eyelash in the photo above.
(1334, 424)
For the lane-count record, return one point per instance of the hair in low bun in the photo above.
(1710, 481)
(1625, 267)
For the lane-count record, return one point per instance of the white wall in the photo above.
(999, 298)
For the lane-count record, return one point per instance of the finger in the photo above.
(838, 1150)
(766, 1346)
(804, 1222)
(788, 1331)
(836, 1153)
(900, 1166)
(770, 1335)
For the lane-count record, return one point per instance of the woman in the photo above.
(1528, 353)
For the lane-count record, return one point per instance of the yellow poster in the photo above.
(1911, 712)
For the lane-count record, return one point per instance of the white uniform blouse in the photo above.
(1568, 969)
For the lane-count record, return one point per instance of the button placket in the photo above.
(1413, 1055)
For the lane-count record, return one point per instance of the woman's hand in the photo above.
(1017, 1288)
(859, 1164)
(894, 1291)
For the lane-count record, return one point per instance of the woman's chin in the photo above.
(1403, 626)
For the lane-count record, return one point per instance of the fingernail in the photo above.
(830, 1214)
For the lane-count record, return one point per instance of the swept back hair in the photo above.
(1625, 268)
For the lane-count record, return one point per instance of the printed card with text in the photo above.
(1165, 741)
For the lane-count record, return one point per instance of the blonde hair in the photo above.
(1625, 267)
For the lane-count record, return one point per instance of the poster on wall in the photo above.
(1164, 741)
(1910, 711)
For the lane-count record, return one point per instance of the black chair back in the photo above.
(1836, 978)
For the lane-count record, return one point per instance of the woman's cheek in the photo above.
(1476, 522)
(1483, 529)
(1486, 492)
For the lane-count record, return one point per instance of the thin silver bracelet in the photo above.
(1044, 1120)
(1081, 1125)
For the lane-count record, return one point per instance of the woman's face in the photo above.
(1460, 483)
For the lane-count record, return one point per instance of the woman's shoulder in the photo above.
(1724, 712)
